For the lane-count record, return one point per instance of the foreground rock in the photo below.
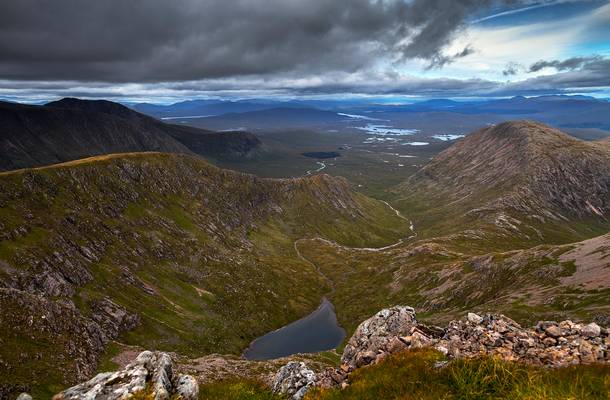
(293, 380)
(151, 372)
(396, 329)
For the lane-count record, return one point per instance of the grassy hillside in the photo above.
(442, 283)
(205, 257)
(511, 186)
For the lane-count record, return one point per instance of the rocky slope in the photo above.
(389, 332)
(70, 129)
(396, 329)
(195, 258)
(521, 181)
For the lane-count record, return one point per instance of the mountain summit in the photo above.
(521, 177)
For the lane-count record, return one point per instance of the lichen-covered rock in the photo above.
(149, 371)
(294, 380)
(24, 396)
(186, 388)
(378, 335)
(395, 329)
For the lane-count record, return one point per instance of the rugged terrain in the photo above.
(69, 129)
(479, 356)
(166, 252)
(512, 185)
(195, 258)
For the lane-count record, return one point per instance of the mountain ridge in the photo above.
(71, 129)
(197, 259)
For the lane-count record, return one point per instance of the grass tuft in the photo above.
(413, 375)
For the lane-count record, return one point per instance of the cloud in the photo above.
(512, 68)
(160, 40)
(440, 60)
(567, 64)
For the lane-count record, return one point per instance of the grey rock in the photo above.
(474, 318)
(294, 380)
(113, 318)
(24, 396)
(376, 336)
(591, 330)
(149, 368)
(187, 388)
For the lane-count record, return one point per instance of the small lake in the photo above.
(318, 331)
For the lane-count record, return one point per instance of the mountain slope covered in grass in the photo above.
(512, 185)
(165, 250)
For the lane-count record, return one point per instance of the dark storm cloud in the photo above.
(567, 64)
(161, 40)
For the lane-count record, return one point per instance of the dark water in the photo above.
(316, 332)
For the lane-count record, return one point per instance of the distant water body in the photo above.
(318, 331)
(376, 129)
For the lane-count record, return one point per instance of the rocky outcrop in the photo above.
(293, 380)
(54, 333)
(150, 372)
(50, 332)
(549, 343)
(377, 335)
(113, 318)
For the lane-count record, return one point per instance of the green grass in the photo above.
(214, 247)
(413, 375)
(236, 390)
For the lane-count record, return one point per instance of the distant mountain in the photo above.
(192, 108)
(202, 108)
(521, 179)
(274, 118)
(560, 111)
(69, 129)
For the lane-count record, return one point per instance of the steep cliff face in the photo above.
(521, 179)
(195, 258)
(69, 129)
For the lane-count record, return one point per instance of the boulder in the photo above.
(149, 371)
(187, 388)
(591, 330)
(377, 335)
(474, 318)
(294, 380)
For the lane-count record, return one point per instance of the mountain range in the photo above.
(164, 250)
(586, 117)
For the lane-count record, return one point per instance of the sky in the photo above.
(165, 51)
